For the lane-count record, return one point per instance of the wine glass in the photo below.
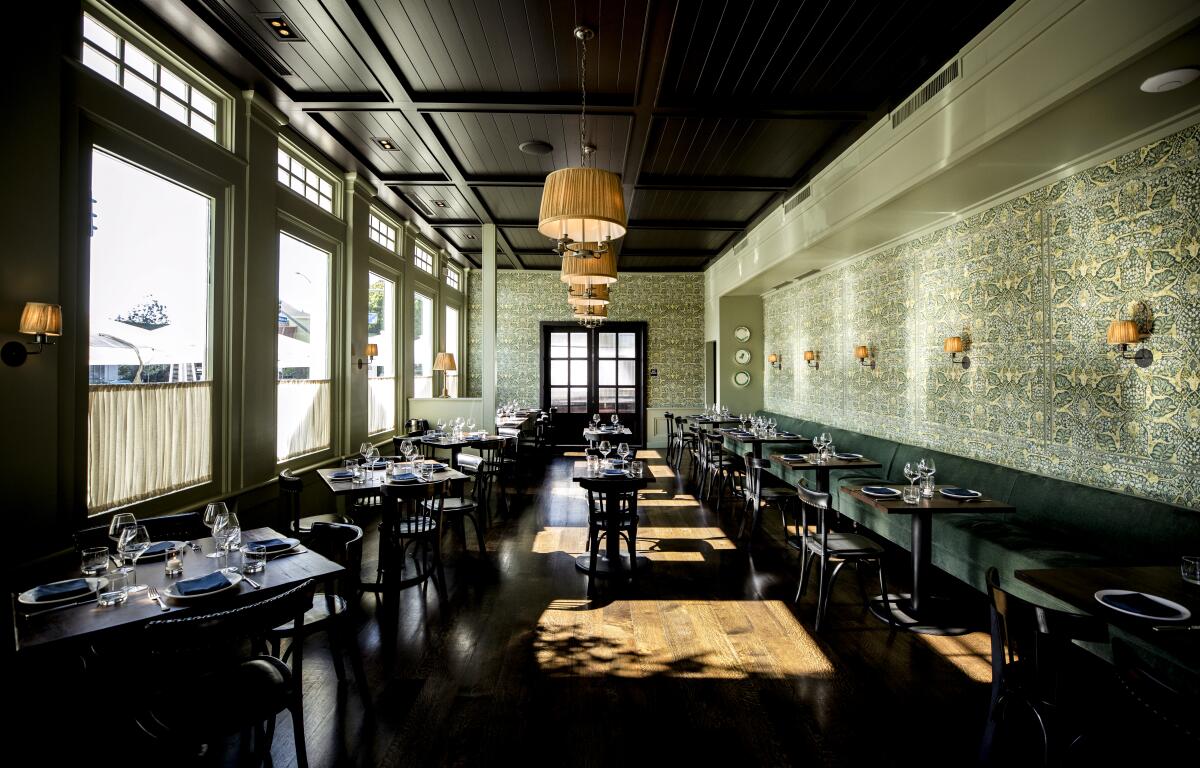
(119, 522)
(927, 468)
(228, 535)
(212, 515)
(623, 451)
(364, 448)
(134, 540)
(911, 473)
(406, 448)
(615, 419)
(605, 447)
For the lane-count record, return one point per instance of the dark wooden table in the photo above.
(823, 469)
(37, 626)
(590, 434)
(702, 421)
(920, 611)
(756, 443)
(370, 486)
(455, 446)
(611, 561)
(1077, 587)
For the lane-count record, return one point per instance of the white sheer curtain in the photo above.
(303, 412)
(381, 404)
(145, 440)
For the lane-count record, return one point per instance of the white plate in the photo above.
(1181, 612)
(968, 495)
(848, 456)
(892, 495)
(234, 580)
(95, 582)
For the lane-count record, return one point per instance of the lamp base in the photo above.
(445, 392)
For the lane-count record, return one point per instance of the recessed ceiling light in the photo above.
(281, 28)
(536, 147)
(439, 203)
(1169, 81)
(384, 142)
(470, 236)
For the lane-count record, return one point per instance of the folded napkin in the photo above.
(436, 465)
(879, 490)
(341, 474)
(402, 477)
(964, 492)
(618, 463)
(376, 465)
(786, 434)
(60, 590)
(474, 437)
(1140, 603)
(613, 472)
(157, 548)
(202, 584)
(271, 545)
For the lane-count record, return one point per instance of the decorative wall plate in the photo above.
(741, 333)
(742, 357)
(741, 378)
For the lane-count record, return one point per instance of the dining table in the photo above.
(755, 442)
(611, 562)
(590, 435)
(807, 462)
(455, 444)
(919, 610)
(1176, 644)
(85, 621)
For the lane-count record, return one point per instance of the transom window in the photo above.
(423, 259)
(119, 60)
(381, 232)
(305, 180)
(453, 279)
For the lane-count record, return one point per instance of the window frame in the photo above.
(457, 306)
(314, 166)
(426, 248)
(374, 213)
(391, 273)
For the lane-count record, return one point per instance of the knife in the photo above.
(91, 599)
(1175, 627)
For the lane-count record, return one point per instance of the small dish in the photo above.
(880, 491)
(94, 583)
(169, 590)
(1128, 600)
(848, 456)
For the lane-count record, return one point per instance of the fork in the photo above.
(153, 594)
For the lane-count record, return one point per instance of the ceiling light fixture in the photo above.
(583, 208)
(1170, 80)
(281, 28)
(384, 143)
(439, 203)
(536, 147)
(591, 316)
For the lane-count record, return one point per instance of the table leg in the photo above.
(612, 562)
(922, 556)
(919, 611)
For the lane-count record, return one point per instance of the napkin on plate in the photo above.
(62, 589)
(202, 584)
(341, 474)
(879, 490)
(271, 545)
(793, 457)
(157, 548)
(1140, 603)
(403, 477)
(960, 492)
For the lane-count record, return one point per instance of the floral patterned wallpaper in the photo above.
(671, 304)
(1036, 281)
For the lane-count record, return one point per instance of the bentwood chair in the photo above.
(411, 518)
(291, 489)
(185, 526)
(670, 417)
(831, 551)
(457, 510)
(685, 440)
(484, 469)
(620, 496)
(232, 685)
(335, 605)
(1167, 718)
(762, 489)
(725, 469)
(1029, 648)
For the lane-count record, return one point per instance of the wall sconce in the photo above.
(865, 358)
(371, 351)
(775, 360)
(1122, 333)
(39, 320)
(811, 359)
(957, 345)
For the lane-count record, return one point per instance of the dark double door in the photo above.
(594, 370)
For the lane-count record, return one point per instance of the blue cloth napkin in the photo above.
(271, 545)
(964, 492)
(62, 589)
(613, 472)
(157, 548)
(786, 434)
(202, 584)
(377, 465)
(403, 477)
(618, 463)
(1139, 603)
(880, 490)
(474, 437)
(341, 474)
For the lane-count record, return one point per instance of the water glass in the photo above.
(254, 558)
(117, 590)
(927, 486)
(173, 562)
(1189, 568)
(94, 561)
(912, 494)
(637, 467)
(358, 471)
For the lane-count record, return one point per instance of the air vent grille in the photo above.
(247, 36)
(796, 199)
(927, 92)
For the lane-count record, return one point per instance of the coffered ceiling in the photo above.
(710, 110)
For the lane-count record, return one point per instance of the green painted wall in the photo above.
(1037, 280)
(672, 305)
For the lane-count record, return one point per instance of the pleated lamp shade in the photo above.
(809, 356)
(582, 294)
(594, 310)
(861, 352)
(38, 317)
(1123, 332)
(953, 344)
(583, 204)
(585, 270)
(444, 362)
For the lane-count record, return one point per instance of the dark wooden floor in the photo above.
(705, 660)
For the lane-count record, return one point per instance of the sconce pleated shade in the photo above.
(1123, 332)
(444, 362)
(861, 352)
(371, 350)
(953, 344)
(594, 310)
(586, 270)
(582, 294)
(809, 356)
(584, 204)
(41, 318)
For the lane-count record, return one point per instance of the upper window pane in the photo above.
(423, 259)
(304, 180)
(453, 278)
(381, 232)
(119, 60)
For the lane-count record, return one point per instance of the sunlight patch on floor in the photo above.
(970, 653)
(683, 500)
(721, 639)
(663, 544)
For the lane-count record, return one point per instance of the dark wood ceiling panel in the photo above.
(424, 198)
(660, 263)
(410, 157)
(823, 54)
(486, 143)
(692, 205)
(544, 261)
(697, 146)
(510, 46)
(527, 239)
(512, 203)
(464, 238)
(675, 239)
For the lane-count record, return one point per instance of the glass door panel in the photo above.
(586, 371)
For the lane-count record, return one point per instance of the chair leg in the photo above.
(806, 559)
(594, 537)
(822, 567)
(883, 595)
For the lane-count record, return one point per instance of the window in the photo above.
(616, 372)
(149, 393)
(381, 232)
(302, 356)
(305, 181)
(452, 348)
(422, 346)
(423, 259)
(381, 374)
(119, 60)
(453, 278)
(569, 371)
